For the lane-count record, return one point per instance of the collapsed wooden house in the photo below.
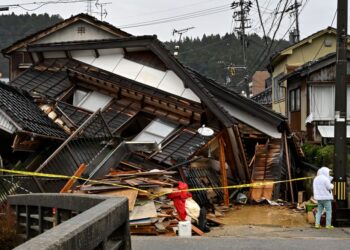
(100, 96)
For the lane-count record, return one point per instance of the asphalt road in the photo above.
(216, 243)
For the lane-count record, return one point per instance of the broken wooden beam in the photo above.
(223, 171)
(73, 179)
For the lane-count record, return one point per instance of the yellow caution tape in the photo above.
(59, 176)
(254, 184)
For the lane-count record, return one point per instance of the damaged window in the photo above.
(79, 95)
(156, 131)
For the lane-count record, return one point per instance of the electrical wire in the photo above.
(261, 21)
(319, 50)
(172, 9)
(262, 58)
(186, 16)
(41, 4)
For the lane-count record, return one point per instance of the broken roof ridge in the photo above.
(241, 99)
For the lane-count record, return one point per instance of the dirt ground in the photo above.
(262, 216)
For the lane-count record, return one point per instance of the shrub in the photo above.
(319, 155)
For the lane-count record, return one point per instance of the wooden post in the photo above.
(239, 167)
(240, 144)
(72, 180)
(288, 166)
(230, 159)
(223, 171)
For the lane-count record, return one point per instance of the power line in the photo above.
(324, 40)
(271, 44)
(186, 16)
(172, 9)
(261, 21)
(41, 4)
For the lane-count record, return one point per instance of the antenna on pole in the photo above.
(89, 7)
(102, 12)
(180, 32)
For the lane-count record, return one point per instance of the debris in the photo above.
(241, 198)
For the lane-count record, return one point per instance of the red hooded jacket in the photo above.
(179, 199)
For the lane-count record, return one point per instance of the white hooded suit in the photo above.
(322, 185)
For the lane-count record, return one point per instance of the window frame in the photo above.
(295, 100)
(278, 90)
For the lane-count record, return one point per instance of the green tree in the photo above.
(15, 27)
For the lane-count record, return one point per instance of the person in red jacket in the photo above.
(179, 199)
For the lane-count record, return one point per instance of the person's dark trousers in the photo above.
(202, 220)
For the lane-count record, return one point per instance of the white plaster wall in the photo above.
(70, 33)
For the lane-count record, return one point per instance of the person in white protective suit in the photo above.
(322, 188)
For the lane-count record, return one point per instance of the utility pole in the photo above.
(340, 152)
(294, 9)
(240, 16)
(180, 32)
(296, 6)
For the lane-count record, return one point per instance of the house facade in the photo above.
(310, 103)
(112, 94)
(310, 48)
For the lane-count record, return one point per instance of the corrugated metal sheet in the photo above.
(6, 125)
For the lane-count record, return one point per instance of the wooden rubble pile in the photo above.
(151, 213)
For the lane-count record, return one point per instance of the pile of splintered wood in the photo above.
(150, 214)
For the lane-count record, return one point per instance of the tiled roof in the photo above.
(184, 145)
(115, 114)
(25, 113)
(76, 115)
(50, 81)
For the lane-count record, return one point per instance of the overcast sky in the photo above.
(213, 16)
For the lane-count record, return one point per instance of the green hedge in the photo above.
(319, 155)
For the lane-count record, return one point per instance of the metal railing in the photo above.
(69, 221)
